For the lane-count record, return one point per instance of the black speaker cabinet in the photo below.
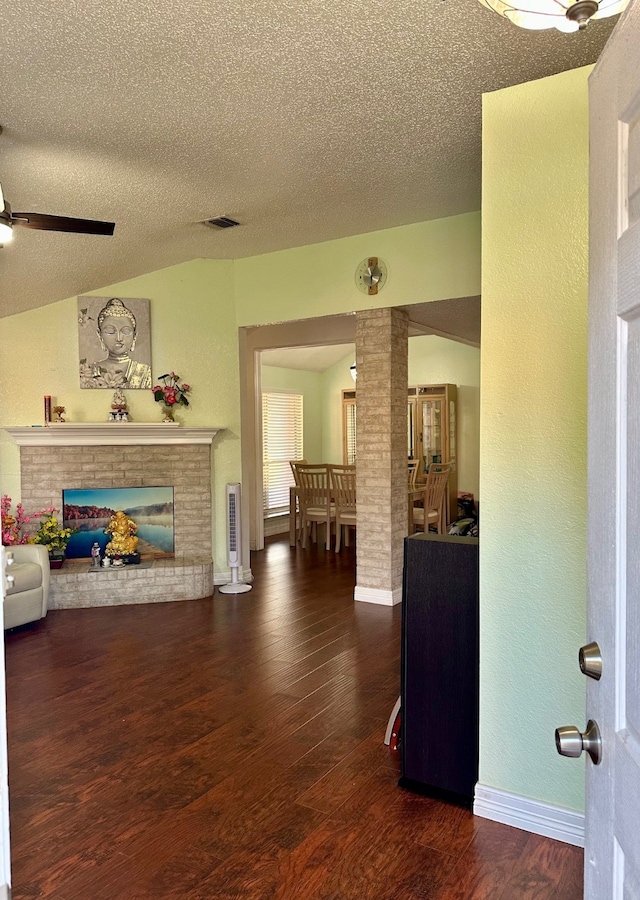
(440, 663)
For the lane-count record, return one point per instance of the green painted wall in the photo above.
(193, 332)
(296, 381)
(336, 379)
(533, 433)
(427, 261)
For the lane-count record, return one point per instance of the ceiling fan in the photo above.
(43, 222)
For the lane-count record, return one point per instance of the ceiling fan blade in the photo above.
(1, 200)
(42, 222)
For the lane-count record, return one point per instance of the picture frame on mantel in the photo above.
(114, 342)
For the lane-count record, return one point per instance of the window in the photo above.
(349, 427)
(281, 442)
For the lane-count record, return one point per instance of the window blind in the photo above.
(350, 413)
(281, 442)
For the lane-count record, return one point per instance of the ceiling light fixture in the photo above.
(565, 15)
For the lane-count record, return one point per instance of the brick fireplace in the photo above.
(124, 454)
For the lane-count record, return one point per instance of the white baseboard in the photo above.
(376, 595)
(550, 821)
(276, 525)
(225, 578)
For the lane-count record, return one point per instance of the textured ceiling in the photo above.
(457, 318)
(309, 359)
(304, 120)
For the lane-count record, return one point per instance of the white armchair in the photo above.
(28, 593)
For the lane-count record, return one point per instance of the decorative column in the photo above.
(381, 453)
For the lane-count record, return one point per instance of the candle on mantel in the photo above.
(47, 409)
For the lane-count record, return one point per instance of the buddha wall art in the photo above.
(114, 341)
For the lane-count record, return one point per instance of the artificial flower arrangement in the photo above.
(12, 526)
(54, 538)
(170, 393)
(49, 532)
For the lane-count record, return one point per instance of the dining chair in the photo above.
(432, 511)
(294, 463)
(295, 522)
(314, 497)
(343, 492)
(412, 472)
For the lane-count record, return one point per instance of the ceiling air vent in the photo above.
(221, 222)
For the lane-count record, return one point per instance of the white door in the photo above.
(5, 862)
(612, 852)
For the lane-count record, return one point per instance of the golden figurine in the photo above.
(123, 530)
(119, 408)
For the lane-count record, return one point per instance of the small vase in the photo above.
(56, 560)
(167, 413)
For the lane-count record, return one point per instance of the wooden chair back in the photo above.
(313, 485)
(435, 489)
(412, 472)
(314, 496)
(294, 463)
(343, 487)
(343, 494)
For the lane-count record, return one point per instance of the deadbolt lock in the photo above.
(590, 660)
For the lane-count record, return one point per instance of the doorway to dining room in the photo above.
(444, 340)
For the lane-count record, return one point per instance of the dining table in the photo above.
(413, 494)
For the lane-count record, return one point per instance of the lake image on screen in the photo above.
(89, 511)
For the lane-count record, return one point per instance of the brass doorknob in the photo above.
(570, 742)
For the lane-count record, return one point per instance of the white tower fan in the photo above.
(234, 541)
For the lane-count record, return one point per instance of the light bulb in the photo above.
(6, 233)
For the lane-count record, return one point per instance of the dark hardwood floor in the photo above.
(233, 748)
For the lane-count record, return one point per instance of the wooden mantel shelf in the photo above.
(83, 434)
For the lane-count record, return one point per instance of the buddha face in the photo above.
(117, 334)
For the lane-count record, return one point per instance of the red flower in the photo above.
(170, 396)
(170, 391)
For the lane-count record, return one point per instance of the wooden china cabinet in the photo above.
(431, 431)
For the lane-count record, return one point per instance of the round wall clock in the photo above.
(371, 275)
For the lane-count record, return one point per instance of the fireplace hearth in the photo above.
(126, 455)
